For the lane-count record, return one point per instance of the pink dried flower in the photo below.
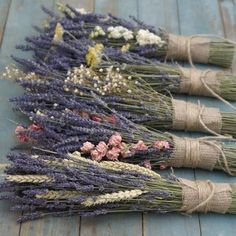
(139, 146)
(87, 147)
(96, 118)
(35, 127)
(113, 154)
(95, 155)
(110, 119)
(115, 140)
(147, 164)
(102, 148)
(20, 135)
(161, 144)
(19, 129)
(23, 138)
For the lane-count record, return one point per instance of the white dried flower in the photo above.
(145, 37)
(120, 32)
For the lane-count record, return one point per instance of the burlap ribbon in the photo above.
(194, 153)
(205, 196)
(193, 117)
(197, 82)
(192, 48)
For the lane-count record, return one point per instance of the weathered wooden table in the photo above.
(177, 16)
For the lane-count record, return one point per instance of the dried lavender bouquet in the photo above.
(62, 52)
(143, 39)
(44, 185)
(133, 98)
(62, 123)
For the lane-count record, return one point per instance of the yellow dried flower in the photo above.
(94, 54)
(125, 47)
(59, 31)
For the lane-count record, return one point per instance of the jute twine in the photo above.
(193, 81)
(192, 48)
(201, 82)
(193, 153)
(198, 153)
(193, 117)
(205, 196)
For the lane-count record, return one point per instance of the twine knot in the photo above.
(205, 196)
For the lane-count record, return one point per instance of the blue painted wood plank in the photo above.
(4, 10)
(122, 8)
(129, 224)
(205, 17)
(162, 14)
(165, 14)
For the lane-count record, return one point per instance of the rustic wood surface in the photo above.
(177, 16)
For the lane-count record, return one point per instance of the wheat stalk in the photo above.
(113, 197)
(126, 166)
(29, 178)
(57, 194)
(115, 165)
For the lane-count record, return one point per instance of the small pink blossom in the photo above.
(102, 148)
(95, 155)
(35, 127)
(19, 129)
(161, 144)
(139, 146)
(147, 164)
(23, 138)
(20, 135)
(111, 119)
(96, 118)
(115, 140)
(87, 147)
(113, 154)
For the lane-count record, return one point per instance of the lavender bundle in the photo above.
(63, 52)
(133, 98)
(47, 185)
(63, 124)
(143, 39)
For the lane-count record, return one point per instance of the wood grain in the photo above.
(4, 10)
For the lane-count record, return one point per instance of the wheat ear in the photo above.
(29, 178)
(113, 197)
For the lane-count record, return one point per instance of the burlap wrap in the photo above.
(205, 196)
(192, 81)
(194, 153)
(185, 47)
(193, 117)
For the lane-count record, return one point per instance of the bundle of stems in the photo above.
(64, 53)
(62, 123)
(141, 38)
(133, 98)
(46, 185)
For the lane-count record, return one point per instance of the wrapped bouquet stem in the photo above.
(45, 185)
